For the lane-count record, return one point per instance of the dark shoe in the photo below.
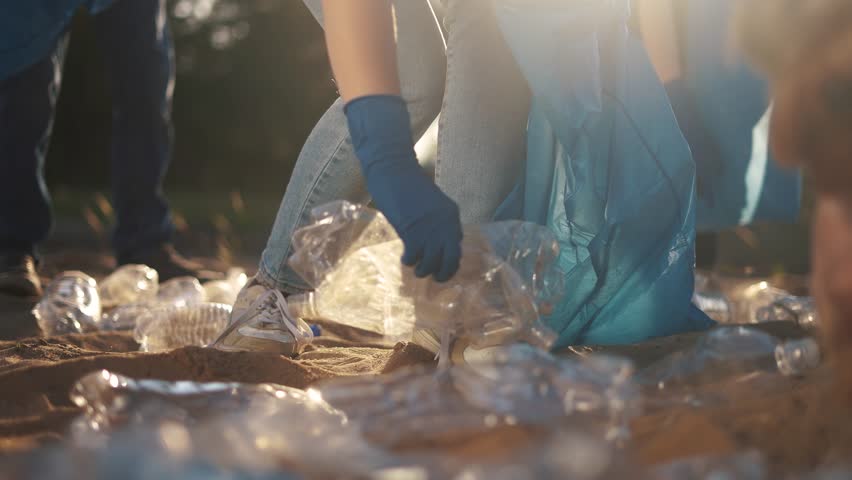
(165, 260)
(18, 275)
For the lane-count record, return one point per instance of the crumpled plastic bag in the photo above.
(607, 170)
(519, 387)
(351, 255)
(230, 425)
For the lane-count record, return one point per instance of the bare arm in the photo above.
(362, 47)
(657, 21)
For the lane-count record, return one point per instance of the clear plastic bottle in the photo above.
(226, 291)
(365, 292)
(750, 465)
(129, 284)
(181, 291)
(176, 326)
(747, 301)
(800, 310)
(715, 305)
(797, 357)
(71, 304)
(258, 427)
(732, 351)
(125, 317)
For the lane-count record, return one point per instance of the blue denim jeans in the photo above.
(136, 44)
(483, 101)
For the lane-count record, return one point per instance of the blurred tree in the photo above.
(252, 78)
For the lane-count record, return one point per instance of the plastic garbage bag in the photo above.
(171, 327)
(350, 255)
(256, 427)
(730, 352)
(607, 171)
(71, 304)
(724, 109)
(524, 388)
(129, 284)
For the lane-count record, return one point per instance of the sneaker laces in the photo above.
(278, 302)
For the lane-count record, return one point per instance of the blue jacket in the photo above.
(30, 29)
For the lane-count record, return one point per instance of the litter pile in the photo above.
(498, 405)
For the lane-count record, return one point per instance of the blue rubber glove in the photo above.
(425, 219)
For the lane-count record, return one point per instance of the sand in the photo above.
(36, 374)
(797, 423)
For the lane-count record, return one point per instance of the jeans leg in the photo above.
(327, 168)
(482, 135)
(27, 101)
(139, 59)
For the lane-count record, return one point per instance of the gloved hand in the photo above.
(425, 219)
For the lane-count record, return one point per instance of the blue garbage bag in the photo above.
(607, 169)
(30, 29)
(724, 109)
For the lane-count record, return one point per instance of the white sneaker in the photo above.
(261, 322)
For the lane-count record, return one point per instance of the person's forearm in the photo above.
(361, 47)
(657, 21)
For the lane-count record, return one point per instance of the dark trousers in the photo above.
(137, 49)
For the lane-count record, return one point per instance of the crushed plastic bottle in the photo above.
(226, 291)
(220, 291)
(800, 310)
(171, 327)
(129, 284)
(181, 291)
(124, 317)
(157, 453)
(731, 351)
(256, 427)
(740, 466)
(747, 301)
(797, 357)
(566, 454)
(71, 304)
(524, 387)
(110, 400)
(350, 255)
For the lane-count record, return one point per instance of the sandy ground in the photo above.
(795, 422)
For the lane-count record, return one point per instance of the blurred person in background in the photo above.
(805, 46)
(136, 45)
(723, 107)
